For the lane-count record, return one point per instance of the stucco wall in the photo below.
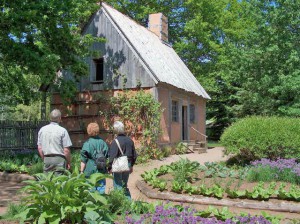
(172, 131)
(87, 105)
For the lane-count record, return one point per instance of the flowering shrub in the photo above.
(169, 214)
(287, 170)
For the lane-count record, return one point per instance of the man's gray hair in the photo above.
(118, 127)
(55, 115)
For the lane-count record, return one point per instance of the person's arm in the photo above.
(112, 154)
(41, 152)
(66, 142)
(67, 154)
(84, 156)
(39, 144)
(134, 157)
(82, 167)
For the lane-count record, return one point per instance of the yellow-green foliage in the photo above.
(263, 137)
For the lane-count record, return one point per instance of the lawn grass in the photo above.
(213, 144)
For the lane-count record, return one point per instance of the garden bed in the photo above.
(272, 204)
(218, 185)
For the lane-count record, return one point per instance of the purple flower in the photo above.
(279, 164)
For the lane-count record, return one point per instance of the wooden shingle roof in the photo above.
(160, 58)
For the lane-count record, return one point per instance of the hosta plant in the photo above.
(67, 198)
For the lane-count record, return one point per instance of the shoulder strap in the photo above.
(118, 143)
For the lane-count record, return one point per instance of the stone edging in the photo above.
(14, 177)
(280, 207)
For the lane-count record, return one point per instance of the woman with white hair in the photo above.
(127, 146)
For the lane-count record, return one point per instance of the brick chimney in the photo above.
(158, 24)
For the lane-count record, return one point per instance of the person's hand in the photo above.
(68, 166)
(131, 169)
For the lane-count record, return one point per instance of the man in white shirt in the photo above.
(54, 145)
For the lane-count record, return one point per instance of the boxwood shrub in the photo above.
(263, 137)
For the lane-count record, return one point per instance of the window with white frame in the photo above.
(175, 114)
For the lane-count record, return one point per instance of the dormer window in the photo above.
(99, 69)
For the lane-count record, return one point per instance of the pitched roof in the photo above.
(161, 59)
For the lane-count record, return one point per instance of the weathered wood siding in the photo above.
(121, 62)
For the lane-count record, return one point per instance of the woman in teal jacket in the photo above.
(92, 149)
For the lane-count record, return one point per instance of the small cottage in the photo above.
(135, 57)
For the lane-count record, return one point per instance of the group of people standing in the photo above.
(54, 148)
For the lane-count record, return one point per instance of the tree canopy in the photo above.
(245, 53)
(37, 39)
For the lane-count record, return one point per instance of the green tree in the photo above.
(267, 68)
(212, 30)
(39, 38)
(139, 10)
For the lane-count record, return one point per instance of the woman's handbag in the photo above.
(120, 164)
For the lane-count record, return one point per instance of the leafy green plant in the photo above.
(222, 214)
(62, 198)
(118, 202)
(177, 187)
(158, 183)
(260, 192)
(188, 188)
(292, 194)
(218, 191)
(142, 112)
(274, 219)
(213, 169)
(184, 170)
(235, 193)
(206, 191)
(166, 151)
(13, 210)
(141, 207)
(150, 175)
(144, 158)
(181, 148)
(36, 168)
(18, 160)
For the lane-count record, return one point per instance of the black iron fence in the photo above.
(19, 134)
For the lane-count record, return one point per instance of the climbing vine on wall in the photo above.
(141, 115)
